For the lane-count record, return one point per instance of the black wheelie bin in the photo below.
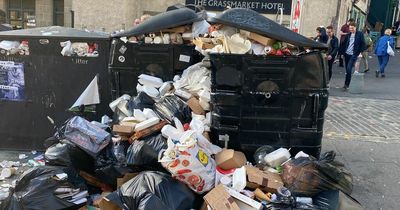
(269, 100)
(46, 83)
(130, 59)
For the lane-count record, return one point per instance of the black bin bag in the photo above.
(146, 150)
(35, 188)
(67, 154)
(153, 191)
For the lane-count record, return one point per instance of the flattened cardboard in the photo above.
(194, 105)
(123, 130)
(228, 159)
(220, 199)
(265, 180)
(258, 38)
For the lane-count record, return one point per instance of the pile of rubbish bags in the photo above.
(156, 151)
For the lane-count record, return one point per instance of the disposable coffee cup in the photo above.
(8, 172)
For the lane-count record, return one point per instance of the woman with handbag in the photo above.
(384, 49)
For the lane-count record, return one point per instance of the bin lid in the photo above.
(55, 31)
(169, 19)
(252, 21)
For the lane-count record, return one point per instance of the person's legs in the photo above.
(350, 61)
(340, 60)
(385, 61)
(365, 59)
(380, 60)
(330, 64)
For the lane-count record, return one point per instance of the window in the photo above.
(58, 12)
(21, 13)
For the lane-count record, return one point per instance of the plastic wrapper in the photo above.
(35, 189)
(119, 150)
(87, 136)
(195, 78)
(141, 101)
(189, 160)
(67, 154)
(145, 151)
(308, 177)
(171, 106)
(153, 191)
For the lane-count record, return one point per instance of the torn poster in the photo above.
(12, 81)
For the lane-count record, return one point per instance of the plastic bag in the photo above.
(335, 199)
(145, 151)
(191, 162)
(200, 27)
(153, 191)
(35, 189)
(195, 78)
(86, 135)
(120, 149)
(141, 101)
(67, 154)
(308, 177)
(389, 49)
(171, 106)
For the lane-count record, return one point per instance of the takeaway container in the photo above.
(130, 59)
(37, 81)
(268, 100)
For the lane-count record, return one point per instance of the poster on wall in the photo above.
(12, 81)
(296, 16)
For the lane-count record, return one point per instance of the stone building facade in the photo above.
(110, 15)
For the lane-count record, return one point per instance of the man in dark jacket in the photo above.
(333, 48)
(354, 44)
(344, 30)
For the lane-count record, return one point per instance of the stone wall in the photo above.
(44, 13)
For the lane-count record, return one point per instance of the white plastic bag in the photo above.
(189, 160)
(390, 49)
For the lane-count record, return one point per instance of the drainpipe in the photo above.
(72, 19)
(336, 20)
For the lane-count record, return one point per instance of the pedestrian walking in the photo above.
(381, 50)
(363, 58)
(321, 36)
(353, 45)
(333, 48)
(344, 30)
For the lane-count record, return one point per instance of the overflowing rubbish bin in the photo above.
(43, 72)
(157, 55)
(220, 133)
(268, 100)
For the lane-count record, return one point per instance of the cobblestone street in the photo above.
(364, 119)
(364, 130)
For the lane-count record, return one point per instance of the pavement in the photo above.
(364, 130)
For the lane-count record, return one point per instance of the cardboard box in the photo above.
(125, 178)
(265, 180)
(203, 44)
(194, 105)
(228, 159)
(244, 202)
(123, 130)
(220, 199)
(258, 38)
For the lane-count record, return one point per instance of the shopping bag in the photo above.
(190, 162)
(390, 49)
